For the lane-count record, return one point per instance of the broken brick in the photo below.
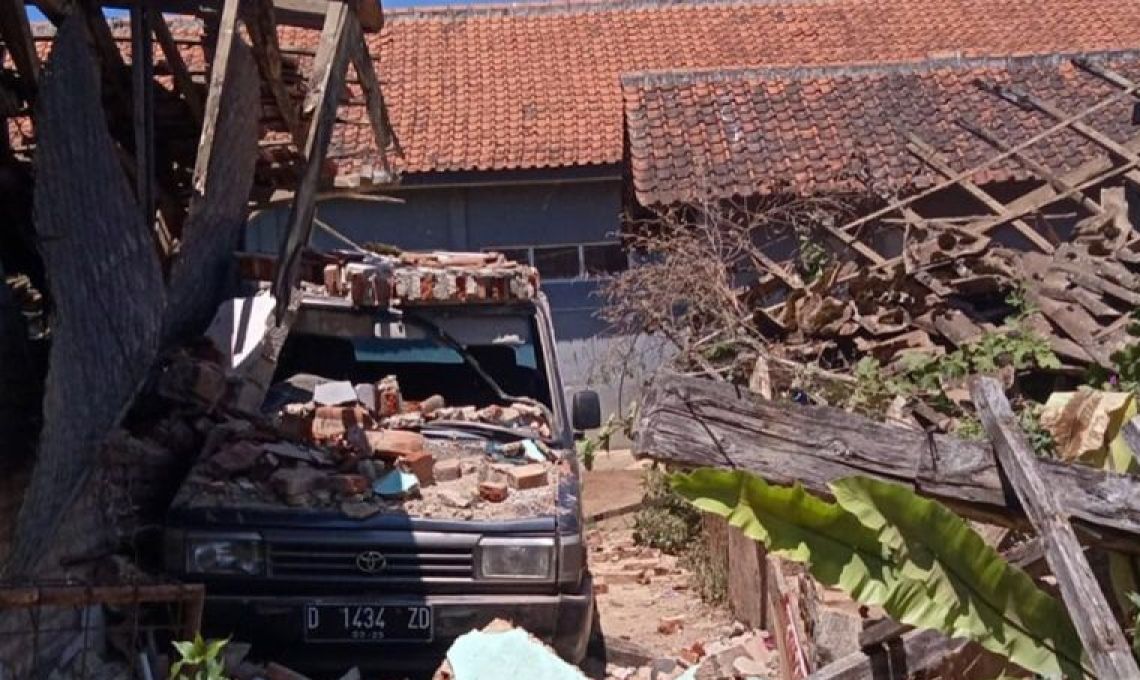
(332, 279)
(448, 470)
(349, 485)
(392, 444)
(668, 625)
(493, 492)
(600, 586)
(332, 422)
(527, 476)
(296, 421)
(388, 399)
(421, 464)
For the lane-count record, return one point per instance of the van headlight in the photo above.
(515, 558)
(239, 555)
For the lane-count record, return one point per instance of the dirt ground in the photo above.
(643, 597)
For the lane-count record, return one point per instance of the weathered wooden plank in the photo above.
(183, 81)
(690, 421)
(1102, 638)
(1131, 434)
(142, 99)
(340, 33)
(227, 34)
(262, 26)
(747, 572)
(199, 274)
(17, 35)
(906, 657)
(105, 281)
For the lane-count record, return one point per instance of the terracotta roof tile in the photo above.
(866, 108)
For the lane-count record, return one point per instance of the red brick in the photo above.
(421, 464)
(527, 476)
(448, 470)
(391, 444)
(331, 422)
(494, 492)
(332, 279)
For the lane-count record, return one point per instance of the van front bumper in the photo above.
(274, 625)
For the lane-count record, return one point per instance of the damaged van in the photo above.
(409, 475)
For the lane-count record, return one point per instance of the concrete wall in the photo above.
(492, 216)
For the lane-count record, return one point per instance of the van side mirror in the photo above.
(586, 410)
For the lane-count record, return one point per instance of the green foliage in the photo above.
(1018, 299)
(666, 521)
(1039, 438)
(1134, 598)
(1126, 361)
(199, 660)
(884, 545)
(813, 258)
(588, 448)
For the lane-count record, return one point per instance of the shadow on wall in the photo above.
(616, 366)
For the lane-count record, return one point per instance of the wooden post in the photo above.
(341, 31)
(267, 52)
(373, 100)
(142, 97)
(1092, 616)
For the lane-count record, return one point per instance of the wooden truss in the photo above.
(1079, 284)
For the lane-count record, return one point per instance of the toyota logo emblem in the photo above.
(371, 561)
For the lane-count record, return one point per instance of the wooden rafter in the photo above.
(262, 25)
(340, 33)
(929, 155)
(1023, 98)
(1027, 161)
(374, 101)
(142, 98)
(17, 35)
(227, 34)
(183, 81)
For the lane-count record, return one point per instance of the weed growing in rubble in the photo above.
(669, 523)
(1126, 361)
(200, 660)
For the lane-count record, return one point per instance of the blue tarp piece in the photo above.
(483, 655)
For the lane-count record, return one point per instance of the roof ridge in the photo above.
(666, 77)
(528, 8)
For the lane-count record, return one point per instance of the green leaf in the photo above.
(886, 546)
(977, 594)
(214, 647)
(185, 650)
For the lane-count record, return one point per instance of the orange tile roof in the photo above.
(731, 133)
(538, 86)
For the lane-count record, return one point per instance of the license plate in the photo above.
(368, 623)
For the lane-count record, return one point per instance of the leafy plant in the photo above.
(617, 423)
(884, 545)
(666, 521)
(1134, 598)
(1126, 361)
(200, 659)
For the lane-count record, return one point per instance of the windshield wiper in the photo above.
(447, 340)
(482, 428)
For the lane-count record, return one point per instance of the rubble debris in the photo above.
(335, 393)
(447, 470)
(667, 625)
(501, 651)
(396, 484)
(527, 476)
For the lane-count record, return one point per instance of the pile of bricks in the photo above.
(425, 278)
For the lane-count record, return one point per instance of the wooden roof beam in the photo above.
(1030, 164)
(183, 81)
(374, 103)
(227, 34)
(929, 155)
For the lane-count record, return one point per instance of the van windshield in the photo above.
(505, 346)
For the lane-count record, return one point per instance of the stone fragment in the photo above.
(359, 509)
(294, 482)
(493, 492)
(448, 470)
(334, 393)
(432, 404)
(371, 469)
(392, 444)
(366, 395)
(236, 457)
(530, 476)
(349, 485)
(421, 464)
(454, 498)
(668, 625)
